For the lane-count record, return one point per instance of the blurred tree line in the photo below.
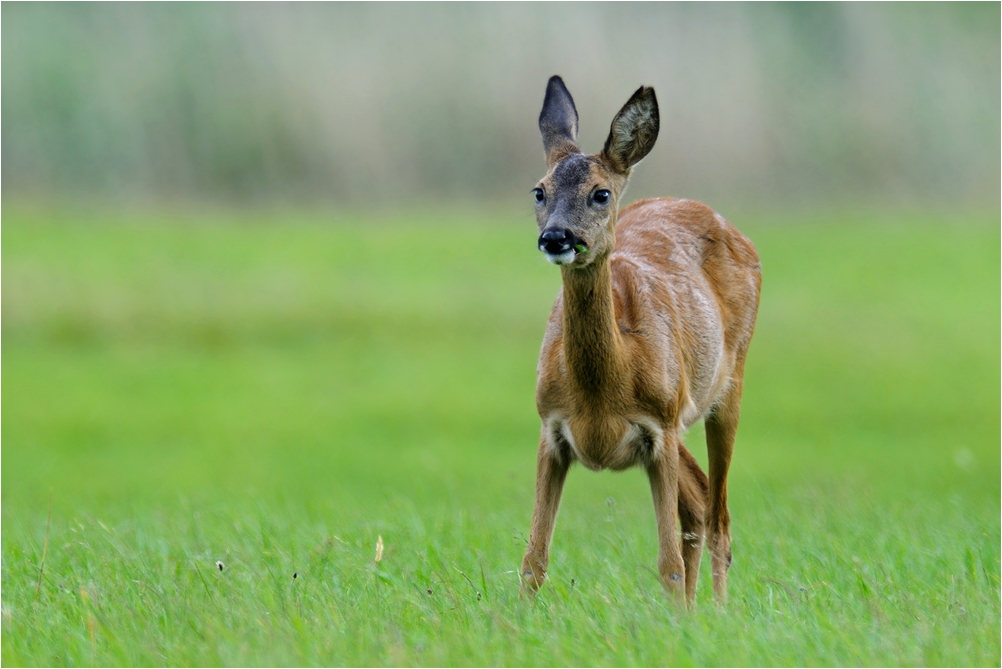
(358, 103)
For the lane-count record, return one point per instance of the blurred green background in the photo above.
(270, 291)
(367, 104)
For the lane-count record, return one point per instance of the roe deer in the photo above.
(648, 335)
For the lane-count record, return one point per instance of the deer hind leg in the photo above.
(663, 473)
(692, 492)
(721, 428)
(551, 472)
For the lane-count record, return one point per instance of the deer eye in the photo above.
(540, 195)
(601, 196)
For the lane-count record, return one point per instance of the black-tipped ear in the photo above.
(634, 131)
(558, 122)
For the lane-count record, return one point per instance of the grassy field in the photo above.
(277, 392)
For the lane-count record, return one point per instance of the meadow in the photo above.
(277, 392)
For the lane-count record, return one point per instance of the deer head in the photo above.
(578, 199)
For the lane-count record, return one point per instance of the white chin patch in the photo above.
(565, 258)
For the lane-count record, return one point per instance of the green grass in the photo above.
(277, 392)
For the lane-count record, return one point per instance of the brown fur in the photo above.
(648, 335)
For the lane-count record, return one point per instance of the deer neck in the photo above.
(593, 346)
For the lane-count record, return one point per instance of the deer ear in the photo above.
(558, 122)
(634, 131)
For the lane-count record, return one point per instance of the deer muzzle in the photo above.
(559, 242)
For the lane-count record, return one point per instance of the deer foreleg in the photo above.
(551, 471)
(663, 474)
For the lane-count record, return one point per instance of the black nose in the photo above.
(555, 241)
